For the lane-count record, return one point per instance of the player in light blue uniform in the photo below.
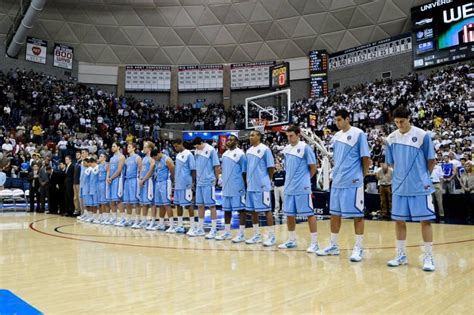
(92, 189)
(351, 163)
(145, 181)
(411, 153)
(185, 176)
(131, 191)
(234, 166)
(164, 175)
(102, 195)
(260, 168)
(114, 188)
(300, 166)
(82, 186)
(207, 172)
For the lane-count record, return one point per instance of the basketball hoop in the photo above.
(259, 124)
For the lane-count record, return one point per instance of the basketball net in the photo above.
(259, 124)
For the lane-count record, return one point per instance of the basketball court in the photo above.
(59, 265)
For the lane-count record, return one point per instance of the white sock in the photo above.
(227, 227)
(256, 229)
(214, 224)
(401, 245)
(314, 237)
(153, 220)
(428, 248)
(162, 221)
(180, 221)
(171, 221)
(201, 223)
(359, 240)
(129, 216)
(242, 229)
(292, 236)
(271, 230)
(334, 238)
(192, 222)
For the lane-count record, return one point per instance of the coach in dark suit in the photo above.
(56, 190)
(68, 187)
(33, 178)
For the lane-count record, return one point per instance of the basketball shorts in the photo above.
(233, 203)
(413, 208)
(146, 193)
(102, 187)
(347, 202)
(115, 190)
(258, 201)
(298, 205)
(130, 191)
(206, 196)
(163, 193)
(183, 197)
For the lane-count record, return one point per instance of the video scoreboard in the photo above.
(443, 32)
(280, 76)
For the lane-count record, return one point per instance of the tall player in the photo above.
(164, 176)
(351, 164)
(115, 183)
(411, 153)
(260, 168)
(184, 180)
(207, 173)
(145, 181)
(234, 166)
(300, 166)
(102, 178)
(130, 199)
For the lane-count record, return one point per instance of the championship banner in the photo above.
(36, 50)
(63, 56)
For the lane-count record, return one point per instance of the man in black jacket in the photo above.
(68, 187)
(33, 178)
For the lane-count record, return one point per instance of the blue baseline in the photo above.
(12, 304)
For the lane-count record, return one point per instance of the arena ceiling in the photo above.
(211, 31)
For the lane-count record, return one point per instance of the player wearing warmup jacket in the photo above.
(163, 177)
(145, 181)
(115, 183)
(92, 188)
(184, 179)
(207, 173)
(351, 164)
(260, 169)
(300, 166)
(411, 153)
(234, 166)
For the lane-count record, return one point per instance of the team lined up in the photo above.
(145, 184)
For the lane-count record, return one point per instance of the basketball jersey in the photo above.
(93, 182)
(259, 159)
(102, 172)
(162, 172)
(114, 164)
(131, 170)
(234, 163)
(145, 166)
(185, 163)
(206, 160)
(349, 147)
(409, 154)
(297, 160)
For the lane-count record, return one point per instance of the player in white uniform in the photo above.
(351, 163)
(300, 166)
(207, 173)
(411, 153)
(260, 168)
(234, 166)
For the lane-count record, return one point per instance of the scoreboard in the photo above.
(200, 78)
(280, 76)
(250, 75)
(443, 32)
(143, 78)
(318, 73)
